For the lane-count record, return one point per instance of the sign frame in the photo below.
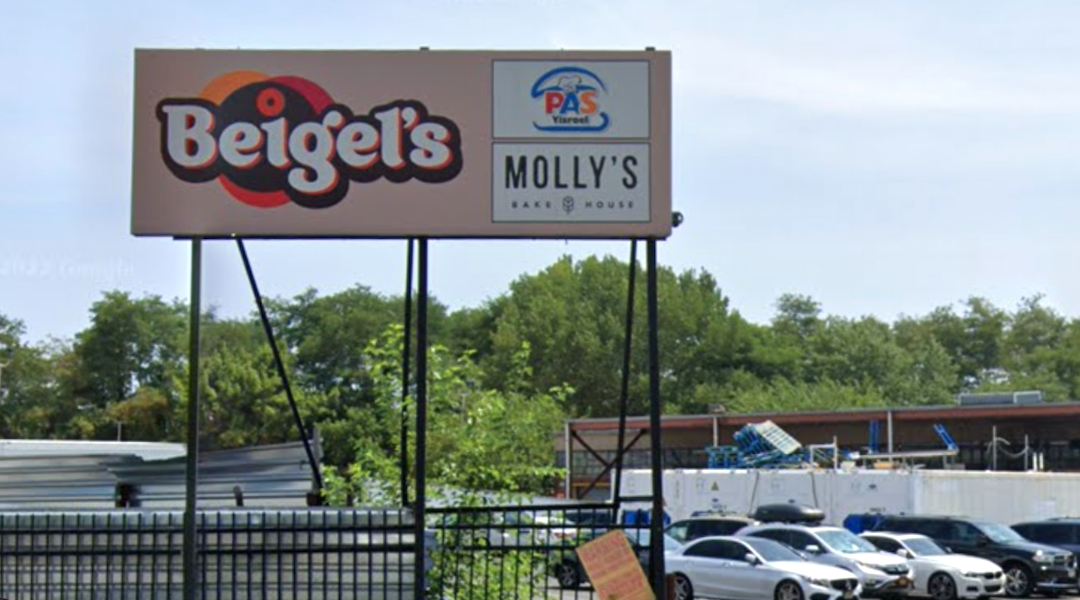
(462, 207)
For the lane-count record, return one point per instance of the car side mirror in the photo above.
(905, 553)
(813, 549)
(984, 540)
(947, 549)
(752, 559)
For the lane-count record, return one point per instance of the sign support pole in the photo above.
(191, 531)
(405, 367)
(420, 504)
(624, 397)
(656, 538)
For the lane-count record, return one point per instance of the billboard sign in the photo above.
(397, 144)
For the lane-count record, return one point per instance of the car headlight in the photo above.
(972, 575)
(1041, 557)
(818, 581)
(869, 567)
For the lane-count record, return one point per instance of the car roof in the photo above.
(1054, 521)
(725, 538)
(895, 536)
(798, 526)
(746, 540)
(929, 517)
(735, 518)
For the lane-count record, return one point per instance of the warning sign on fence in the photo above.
(613, 568)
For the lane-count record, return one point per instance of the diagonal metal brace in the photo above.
(281, 369)
(640, 434)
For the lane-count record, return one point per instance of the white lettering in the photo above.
(277, 137)
(395, 141)
(312, 145)
(188, 138)
(237, 142)
(391, 136)
(431, 151)
(358, 145)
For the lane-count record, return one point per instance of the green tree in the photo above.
(24, 376)
(974, 340)
(782, 395)
(572, 315)
(798, 316)
(327, 336)
(478, 438)
(131, 342)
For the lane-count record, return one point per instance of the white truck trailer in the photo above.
(1006, 497)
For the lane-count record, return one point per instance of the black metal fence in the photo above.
(274, 555)
(474, 553)
(519, 552)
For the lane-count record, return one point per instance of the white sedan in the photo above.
(737, 568)
(940, 574)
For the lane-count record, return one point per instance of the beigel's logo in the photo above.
(274, 140)
(571, 97)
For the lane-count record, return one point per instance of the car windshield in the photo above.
(924, 547)
(999, 533)
(772, 551)
(845, 542)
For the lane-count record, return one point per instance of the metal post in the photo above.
(406, 356)
(993, 448)
(715, 431)
(191, 496)
(279, 362)
(568, 449)
(656, 538)
(1027, 451)
(421, 416)
(889, 433)
(624, 395)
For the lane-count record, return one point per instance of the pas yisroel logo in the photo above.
(572, 99)
(270, 141)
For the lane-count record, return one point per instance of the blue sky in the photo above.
(883, 157)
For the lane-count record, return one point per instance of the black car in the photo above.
(706, 525)
(1060, 533)
(1028, 566)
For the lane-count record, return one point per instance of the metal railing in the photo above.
(473, 553)
(518, 552)
(322, 554)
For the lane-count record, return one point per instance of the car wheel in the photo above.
(567, 574)
(788, 590)
(1019, 582)
(684, 590)
(942, 587)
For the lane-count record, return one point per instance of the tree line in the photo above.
(512, 369)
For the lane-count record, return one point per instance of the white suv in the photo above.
(880, 573)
